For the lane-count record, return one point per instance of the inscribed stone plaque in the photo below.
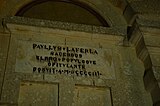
(50, 58)
(38, 94)
(92, 96)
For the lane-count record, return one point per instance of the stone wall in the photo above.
(116, 77)
(145, 36)
(124, 70)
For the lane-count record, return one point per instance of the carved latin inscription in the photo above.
(48, 58)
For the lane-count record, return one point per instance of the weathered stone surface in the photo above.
(148, 28)
(129, 77)
(149, 80)
(148, 20)
(36, 57)
(156, 95)
(65, 25)
(156, 71)
(38, 94)
(154, 55)
(152, 39)
(88, 96)
(148, 6)
(103, 7)
(4, 42)
(121, 71)
(124, 72)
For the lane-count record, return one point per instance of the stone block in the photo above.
(155, 58)
(4, 42)
(154, 53)
(152, 40)
(92, 96)
(156, 94)
(28, 74)
(149, 80)
(38, 94)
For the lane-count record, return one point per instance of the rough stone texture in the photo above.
(155, 95)
(42, 94)
(110, 9)
(146, 33)
(65, 26)
(129, 76)
(96, 96)
(149, 80)
(146, 6)
(126, 89)
(155, 57)
(156, 71)
(4, 42)
(148, 20)
(107, 10)
(152, 42)
(128, 70)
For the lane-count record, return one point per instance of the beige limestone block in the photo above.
(38, 94)
(91, 96)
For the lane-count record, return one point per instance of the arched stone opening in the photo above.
(120, 66)
(62, 10)
(106, 9)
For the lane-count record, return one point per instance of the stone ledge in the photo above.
(148, 20)
(65, 26)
